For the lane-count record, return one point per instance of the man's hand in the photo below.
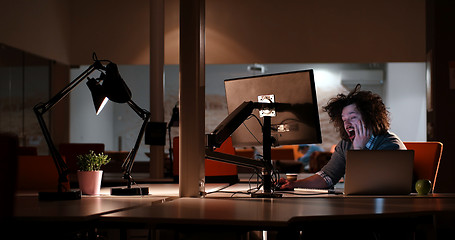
(285, 184)
(362, 135)
(314, 181)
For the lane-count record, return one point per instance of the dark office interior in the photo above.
(177, 48)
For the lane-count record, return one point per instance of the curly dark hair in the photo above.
(370, 105)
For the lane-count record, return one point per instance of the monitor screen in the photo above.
(295, 120)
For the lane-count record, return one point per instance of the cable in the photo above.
(95, 58)
(251, 133)
(259, 120)
(258, 176)
(219, 190)
(260, 123)
(133, 183)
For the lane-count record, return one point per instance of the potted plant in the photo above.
(90, 174)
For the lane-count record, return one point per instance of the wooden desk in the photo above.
(34, 219)
(384, 217)
(163, 209)
(308, 214)
(272, 213)
(254, 214)
(29, 208)
(66, 219)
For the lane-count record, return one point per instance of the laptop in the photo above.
(379, 172)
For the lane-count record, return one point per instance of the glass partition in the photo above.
(24, 81)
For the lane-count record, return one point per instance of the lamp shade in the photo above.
(98, 96)
(114, 87)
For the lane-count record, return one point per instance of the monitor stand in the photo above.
(267, 157)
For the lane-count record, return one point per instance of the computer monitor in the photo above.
(296, 119)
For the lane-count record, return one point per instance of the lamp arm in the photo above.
(44, 107)
(128, 163)
(59, 163)
(41, 108)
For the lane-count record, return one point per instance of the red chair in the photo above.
(427, 156)
(37, 173)
(214, 171)
(248, 153)
(27, 151)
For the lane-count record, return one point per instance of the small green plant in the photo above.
(92, 161)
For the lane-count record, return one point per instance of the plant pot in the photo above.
(90, 182)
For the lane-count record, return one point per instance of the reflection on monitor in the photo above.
(295, 119)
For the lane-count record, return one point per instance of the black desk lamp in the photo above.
(116, 90)
(110, 86)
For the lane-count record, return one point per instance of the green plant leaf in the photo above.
(92, 161)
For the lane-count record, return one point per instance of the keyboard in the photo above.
(316, 190)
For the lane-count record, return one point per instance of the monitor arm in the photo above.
(228, 126)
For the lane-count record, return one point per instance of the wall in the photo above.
(260, 31)
(115, 29)
(38, 27)
(237, 31)
(25, 82)
(406, 100)
(296, 31)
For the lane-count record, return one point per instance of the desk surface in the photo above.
(219, 209)
(206, 211)
(275, 213)
(28, 207)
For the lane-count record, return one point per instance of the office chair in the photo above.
(36, 173)
(215, 172)
(427, 156)
(27, 151)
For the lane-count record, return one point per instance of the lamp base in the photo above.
(59, 196)
(130, 191)
(266, 195)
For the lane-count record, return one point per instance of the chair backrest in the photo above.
(71, 150)
(214, 170)
(295, 149)
(247, 152)
(282, 153)
(37, 173)
(28, 151)
(318, 160)
(427, 156)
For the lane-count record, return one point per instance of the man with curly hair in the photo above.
(363, 122)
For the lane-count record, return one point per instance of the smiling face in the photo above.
(349, 115)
